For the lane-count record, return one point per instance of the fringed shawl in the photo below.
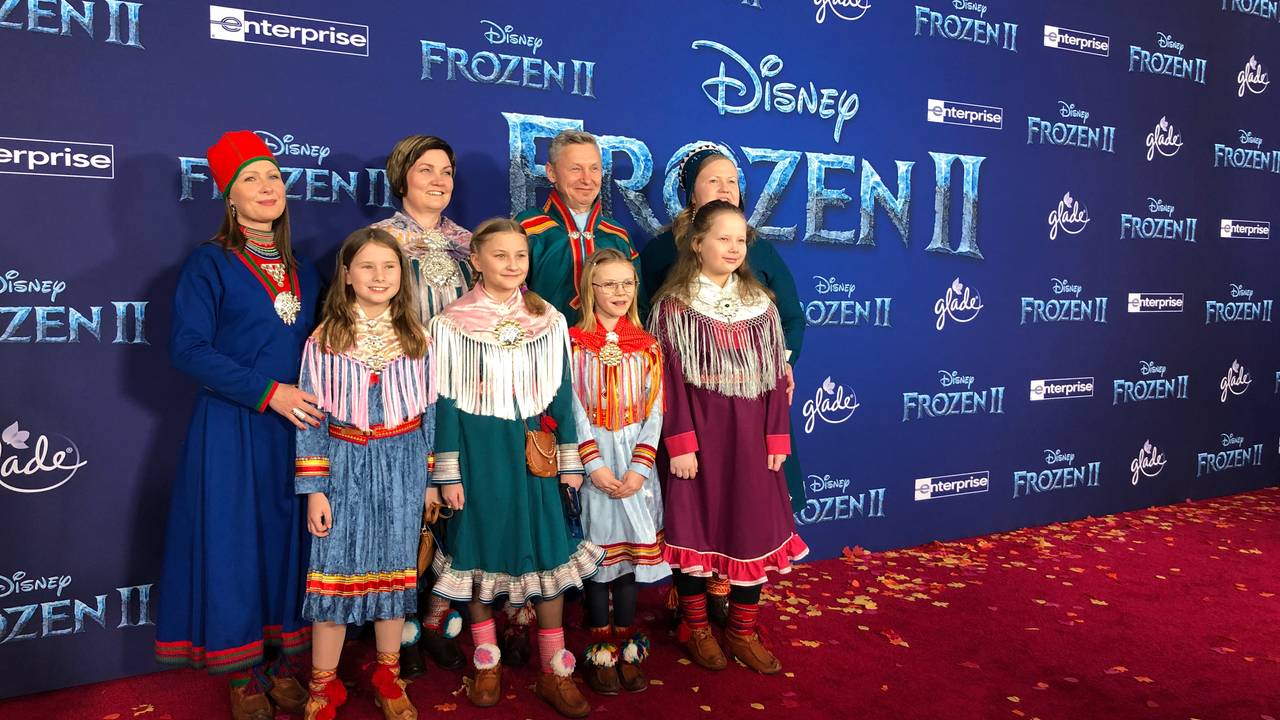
(622, 394)
(486, 377)
(741, 356)
(342, 384)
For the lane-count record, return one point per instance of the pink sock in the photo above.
(484, 632)
(549, 642)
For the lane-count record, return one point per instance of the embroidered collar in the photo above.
(726, 304)
(448, 237)
(559, 211)
(377, 344)
(626, 336)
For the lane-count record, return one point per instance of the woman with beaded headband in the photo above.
(420, 170)
(618, 406)
(726, 428)
(503, 377)
(706, 173)
(235, 547)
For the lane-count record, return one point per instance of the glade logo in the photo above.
(288, 31)
(118, 25)
(866, 504)
(57, 158)
(1249, 156)
(1265, 9)
(1135, 227)
(1166, 63)
(832, 403)
(1060, 473)
(1232, 456)
(1071, 217)
(1072, 309)
(284, 146)
(1077, 41)
(952, 485)
(823, 483)
(1241, 308)
(953, 402)
(1149, 463)
(781, 97)
(843, 9)
(1155, 302)
(1073, 134)
(506, 35)
(1245, 229)
(526, 71)
(1061, 389)
(845, 311)
(1235, 382)
(1149, 388)
(1164, 139)
(1003, 35)
(951, 112)
(1252, 78)
(62, 324)
(958, 304)
(41, 471)
(20, 582)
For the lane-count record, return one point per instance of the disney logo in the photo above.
(1231, 439)
(1150, 368)
(970, 6)
(830, 286)
(284, 145)
(1248, 138)
(820, 483)
(20, 583)
(1241, 291)
(506, 35)
(41, 463)
(951, 378)
(843, 9)
(11, 281)
(1062, 287)
(1068, 110)
(1053, 457)
(1157, 205)
(1166, 41)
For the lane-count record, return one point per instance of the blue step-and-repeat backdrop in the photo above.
(1032, 240)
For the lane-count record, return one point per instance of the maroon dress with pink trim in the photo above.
(725, 391)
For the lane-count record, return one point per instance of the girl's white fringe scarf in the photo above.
(484, 378)
(342, 384)
(742, 358)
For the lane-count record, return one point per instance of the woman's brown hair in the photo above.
(337, 332)
(604, 256)
(230, 237)
(496, 226)
(689, 264)
(406, 153)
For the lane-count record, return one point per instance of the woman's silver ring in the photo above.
(298, 413)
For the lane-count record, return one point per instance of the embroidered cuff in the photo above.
(265, 400)
(685, 442)
(589, 452)
(445, 469)
(778, 444)
(568, 461)
(643, 456)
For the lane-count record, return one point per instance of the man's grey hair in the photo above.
(570, 137)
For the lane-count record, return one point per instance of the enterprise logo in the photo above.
(1155, 302)
(288, 31)
(1077, 41)
(951, 112)
(1061, 388)
(1246, 229)
(952, 485)
(59, 158)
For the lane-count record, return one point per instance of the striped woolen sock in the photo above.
(437, 608)
(484, 633)
(550, 641)
(742, 618)
(694, 610)
(718, 586)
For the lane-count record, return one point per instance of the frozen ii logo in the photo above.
(759, 88)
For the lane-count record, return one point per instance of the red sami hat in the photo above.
(232, 152)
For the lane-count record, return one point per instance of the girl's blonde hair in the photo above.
(495, 226)
(689, 264)
(586, 291)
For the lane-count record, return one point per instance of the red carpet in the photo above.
(1165, 613)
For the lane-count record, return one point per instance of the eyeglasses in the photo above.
(625, 286)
